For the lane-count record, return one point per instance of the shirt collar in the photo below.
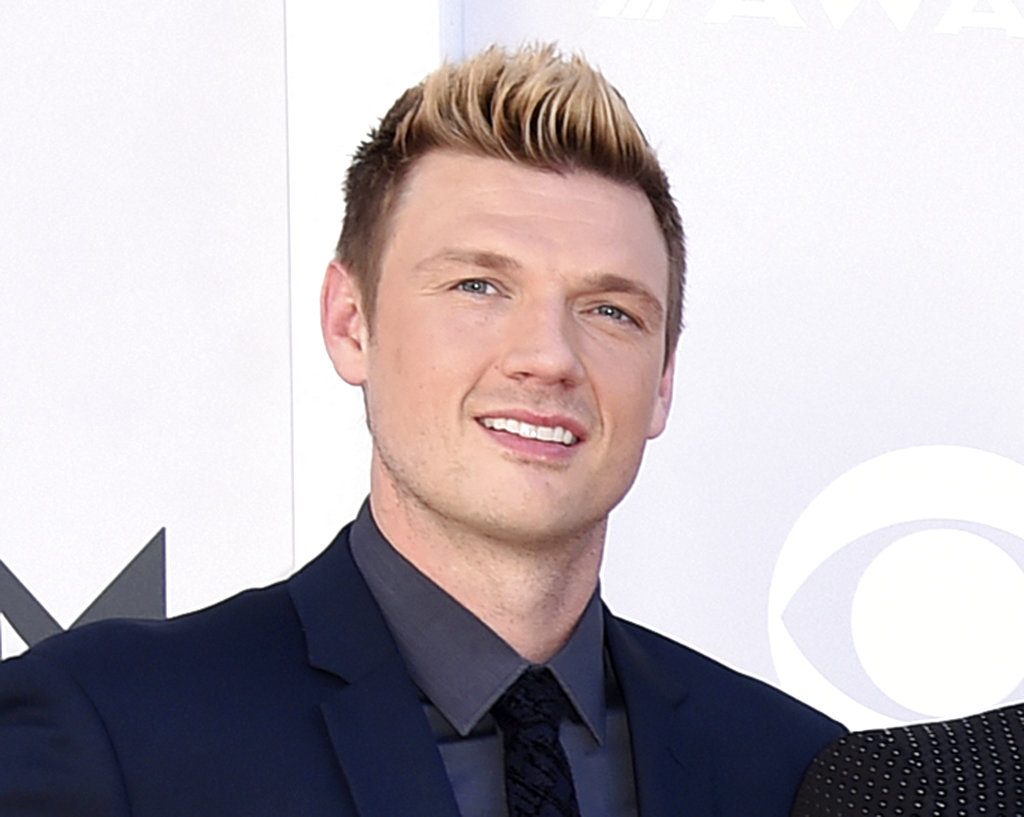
(458, 662)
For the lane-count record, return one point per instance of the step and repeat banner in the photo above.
(838, 503)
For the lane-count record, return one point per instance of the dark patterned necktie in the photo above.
(538, 780)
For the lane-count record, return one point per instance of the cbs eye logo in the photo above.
(899, 593)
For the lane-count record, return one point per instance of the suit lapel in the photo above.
(379, 732)
(386, 749)
(673, 774)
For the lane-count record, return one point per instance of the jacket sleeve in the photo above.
(56, 758)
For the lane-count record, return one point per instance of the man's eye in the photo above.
(613, 312)
(475, 286)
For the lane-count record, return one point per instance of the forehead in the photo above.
(577, 220)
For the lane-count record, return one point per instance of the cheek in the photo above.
(429, 360)
(456, 343)
(627, 391)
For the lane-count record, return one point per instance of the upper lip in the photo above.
(577, 428)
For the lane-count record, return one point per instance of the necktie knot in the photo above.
(538, 779)
(535, 699)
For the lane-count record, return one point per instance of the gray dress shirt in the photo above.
(462, 667)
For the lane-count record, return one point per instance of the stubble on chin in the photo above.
(469, 519)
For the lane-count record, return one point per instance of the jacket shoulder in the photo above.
(749, 742)
(142, 650)
(759, 739)
(728, 693)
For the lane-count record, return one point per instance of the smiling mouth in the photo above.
(529, 431)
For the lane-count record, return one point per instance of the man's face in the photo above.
(514, 369)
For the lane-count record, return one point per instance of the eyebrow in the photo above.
(482, 259)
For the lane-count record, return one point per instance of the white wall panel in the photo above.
(143, 299)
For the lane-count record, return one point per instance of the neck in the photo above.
(531, 591)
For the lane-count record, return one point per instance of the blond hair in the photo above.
(531, 106)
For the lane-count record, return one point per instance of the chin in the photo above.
(539, 530)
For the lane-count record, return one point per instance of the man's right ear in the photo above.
(345, 328)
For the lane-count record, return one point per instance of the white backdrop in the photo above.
(143, 304)
(837, 505)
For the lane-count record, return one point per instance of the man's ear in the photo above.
(663, 400)
(345, 328)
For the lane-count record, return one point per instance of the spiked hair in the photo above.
(531, 106)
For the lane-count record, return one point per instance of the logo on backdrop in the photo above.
(899, 592)
(1001, 15)
(138, 591)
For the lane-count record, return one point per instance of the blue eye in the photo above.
(476, 286)
(613, 312)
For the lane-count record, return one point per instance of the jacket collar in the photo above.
(374, 717)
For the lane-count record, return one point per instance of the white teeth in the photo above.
(555, 434)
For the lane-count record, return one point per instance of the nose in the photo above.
(542, 345)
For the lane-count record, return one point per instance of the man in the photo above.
(507, 293)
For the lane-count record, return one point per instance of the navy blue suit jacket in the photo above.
(293, 700)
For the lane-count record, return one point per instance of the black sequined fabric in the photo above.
(538, 780)
(970, 767)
